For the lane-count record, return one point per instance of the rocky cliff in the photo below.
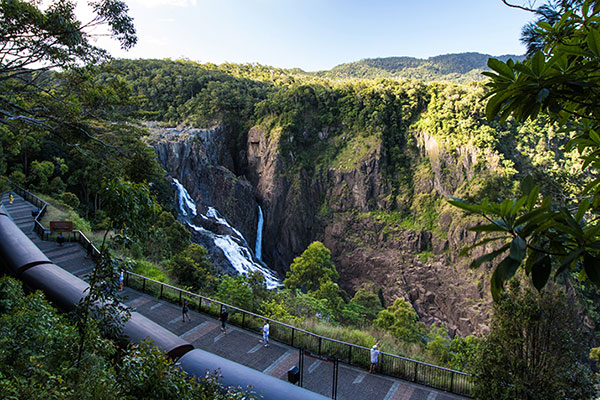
(338, 206)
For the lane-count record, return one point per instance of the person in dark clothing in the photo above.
(223, 318)
(184, 311)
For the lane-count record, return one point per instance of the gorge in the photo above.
(370, 181)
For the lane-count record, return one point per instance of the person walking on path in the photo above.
(184, 311)
(121, 279)
(265, 333)
(11, 198)
(374, 353)
(223, 318)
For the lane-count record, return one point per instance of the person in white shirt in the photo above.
(374, 353)
(265, 333)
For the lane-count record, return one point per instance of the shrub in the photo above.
(70, 199)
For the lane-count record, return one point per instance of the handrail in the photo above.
(456, 382)
(281, 323)
(417, 371)
(41, 230)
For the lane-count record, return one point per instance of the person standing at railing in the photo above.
(374, 353)
(223, 318)
(265, 333)
(185, 310)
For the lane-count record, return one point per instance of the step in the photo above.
(57, 251)
(76, 265)
(15, 208)
(25, 226)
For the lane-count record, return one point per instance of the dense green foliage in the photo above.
(533, 350)
(311, 270)
(38, 348)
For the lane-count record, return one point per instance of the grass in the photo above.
(425, 255)
(56, 210)
(355, 151)
(149, 270)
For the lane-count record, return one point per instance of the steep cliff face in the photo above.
(290, 202)
(199, 159)
(338, 207)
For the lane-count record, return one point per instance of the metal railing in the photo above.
(44, 233)
(393, 365)
(390, 364)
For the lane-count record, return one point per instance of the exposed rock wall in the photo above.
(441, 289)
(332, 206)
(199, 159)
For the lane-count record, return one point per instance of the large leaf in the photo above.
(538, 62)
(591, 265)
(518, 249)
(489, 257)
(501, 68)
(583, 208)
(464, 205)
(540, 272)
(496, 286)
(505, 270)
(497, 226)
(532, 198)
(593, 42)
(466, 250)
(495, 104)
(568, 260)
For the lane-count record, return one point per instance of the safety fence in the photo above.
(389, 364)
(45, 233)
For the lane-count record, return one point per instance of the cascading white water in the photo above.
(234, 247)
(259, 229)
(186, 203)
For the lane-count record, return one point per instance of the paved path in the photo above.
(238, 345)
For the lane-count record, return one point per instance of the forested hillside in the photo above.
(462, 67)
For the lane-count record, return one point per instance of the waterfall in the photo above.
(259, 229)
(186, 203)
(234, 247)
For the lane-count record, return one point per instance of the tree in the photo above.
(311, 269)
(35, 40)
(235, 291)
(38, 346)
(369, 302)
(130, 210)
(401, 320)
(533, 349)
(191, 266)
(560, 81)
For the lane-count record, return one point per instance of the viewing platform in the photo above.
(241, 343)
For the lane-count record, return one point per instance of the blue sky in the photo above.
(319, 34)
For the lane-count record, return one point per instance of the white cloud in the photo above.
(168, 3)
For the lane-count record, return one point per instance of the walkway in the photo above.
(238, 345)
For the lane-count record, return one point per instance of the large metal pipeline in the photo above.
(20, 257)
